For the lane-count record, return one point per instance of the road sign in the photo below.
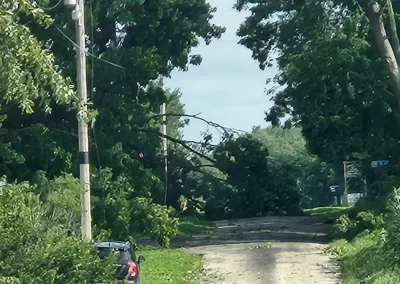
(354, 197)
(377, 164)
(336, 190)
(353, 170)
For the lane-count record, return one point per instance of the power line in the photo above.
(49, 8)
(88, 53)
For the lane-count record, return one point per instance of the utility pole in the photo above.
(163, 130)
(346, 195)
(79, 16)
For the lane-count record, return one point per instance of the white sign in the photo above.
(353, 197)
(353, 170)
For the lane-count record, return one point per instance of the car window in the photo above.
(104, 252)
(123, 255)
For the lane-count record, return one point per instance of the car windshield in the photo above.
(123, 255)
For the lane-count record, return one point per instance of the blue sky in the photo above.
(228, 87)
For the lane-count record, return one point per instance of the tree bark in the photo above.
(393, 31)
(385, 48)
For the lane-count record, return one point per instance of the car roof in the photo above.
(113, 244)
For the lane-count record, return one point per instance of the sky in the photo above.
(228, 87)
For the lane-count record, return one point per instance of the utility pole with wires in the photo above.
(78, 15)
(164, 146)
(163, 130)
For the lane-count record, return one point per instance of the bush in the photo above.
(393, 223)
(364, 259)
(376, 205)
(34, 248)
(62, 197)
(155, 220)
(349, 229)
(118, 210)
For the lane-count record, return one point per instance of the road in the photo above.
(270, 250)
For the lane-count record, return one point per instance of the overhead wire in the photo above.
(88, 53)
(73, 42)
(92, 76)
(49, 8)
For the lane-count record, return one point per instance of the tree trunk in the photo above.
(385, 48)
(393, 31)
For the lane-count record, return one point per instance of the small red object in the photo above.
(132, 269)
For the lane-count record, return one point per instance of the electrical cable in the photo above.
(49, 8)
(88, 53)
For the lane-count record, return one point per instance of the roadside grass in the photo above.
(194, 226)
(366, 260)
(165, 266)
(327, 212)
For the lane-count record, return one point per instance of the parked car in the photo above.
(127, 266)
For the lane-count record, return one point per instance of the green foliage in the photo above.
(324, 213)
(124, 136)
(29, 73)
(287, 146)
(349, 229)
(372, 254)
(393, 224)
(35, 248)
(61, 196)
(365, 260)
(155, 219)
(254, 185)
(119, 209)
(331, 81)
(170, 266)
(194, 226)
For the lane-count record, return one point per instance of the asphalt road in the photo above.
(275, 250)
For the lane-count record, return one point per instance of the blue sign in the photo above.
(377, 164)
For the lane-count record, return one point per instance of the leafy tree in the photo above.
(287, 146)
(254, 185)
(338, 73)
(29, 68)
(130, 44)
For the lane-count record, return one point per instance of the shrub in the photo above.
(118, 210)
(35, 249)
(349, 229)
(155, 220)
(393, 223)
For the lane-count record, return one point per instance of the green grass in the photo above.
(364, 260)
(194, 226)
(165, 266)
(327, 212)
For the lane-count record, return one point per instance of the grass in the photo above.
(194, 226)
(364, 260)
(165, 266)
(327, 212)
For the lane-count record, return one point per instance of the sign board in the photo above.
(377, 164)
(352, 170)
(336, 190)
(353, 197)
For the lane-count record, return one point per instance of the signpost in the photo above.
(337, 192)
(352, 169)
(378, 164)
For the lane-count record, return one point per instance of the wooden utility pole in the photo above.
(163, 130)
(84, 170)
(345, 195)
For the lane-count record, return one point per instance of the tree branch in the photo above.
(174, 140)
(218, 127)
